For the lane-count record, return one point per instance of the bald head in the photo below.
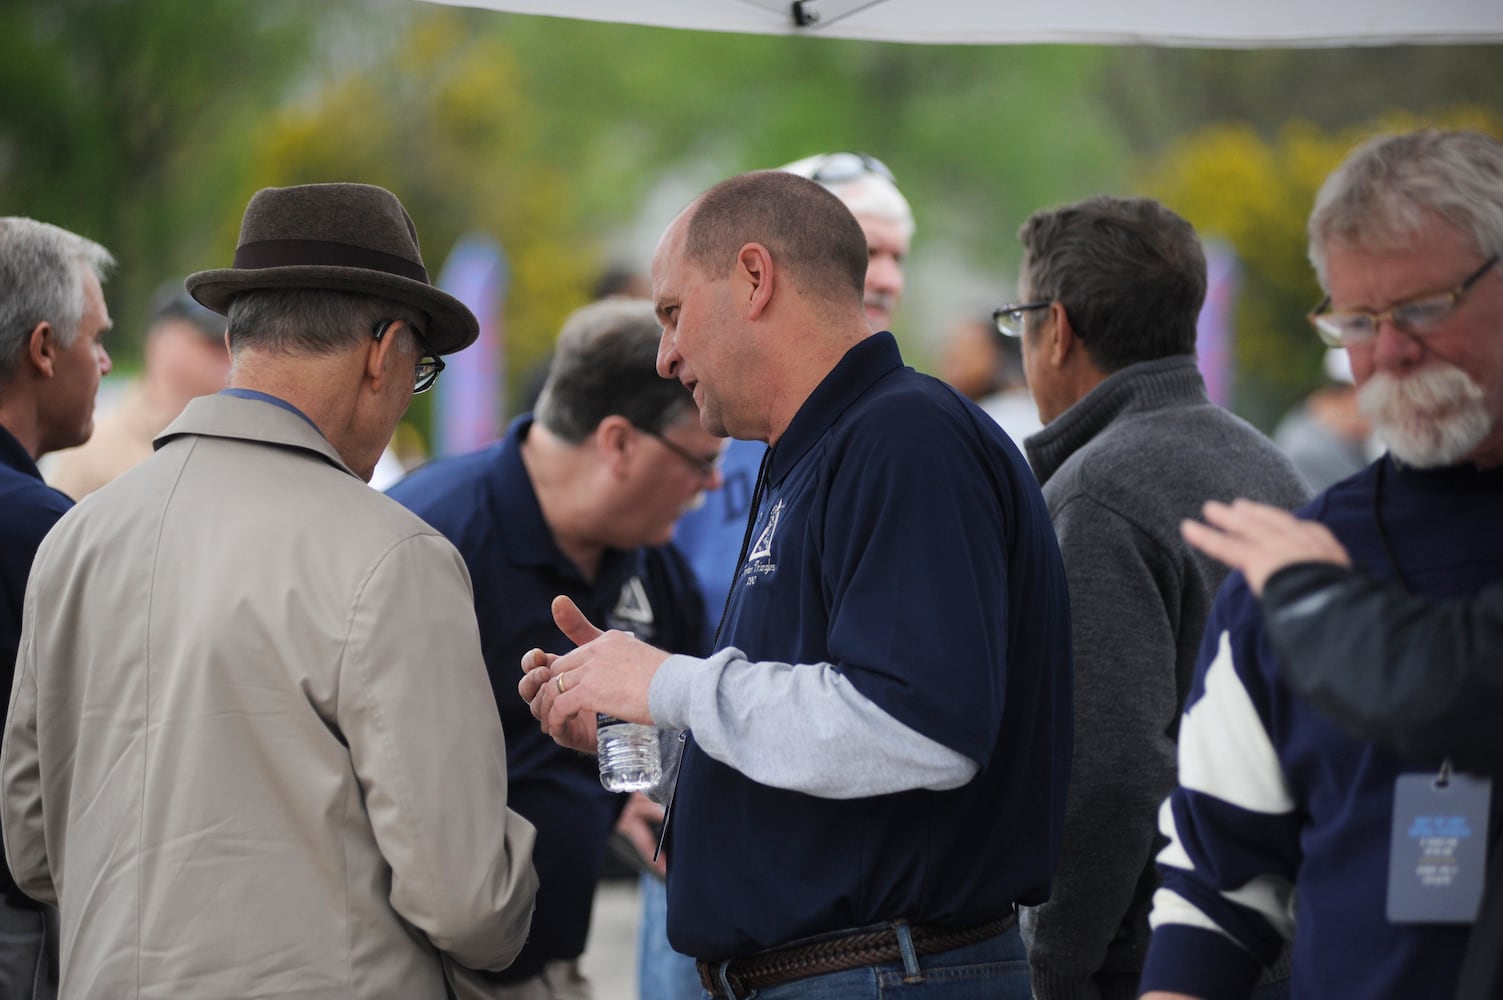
(806, 229)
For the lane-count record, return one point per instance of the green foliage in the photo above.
(114, 113)
(147, 124)
(1256, 194)
(552, 135)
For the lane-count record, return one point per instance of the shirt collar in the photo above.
(15, 455)
(857, 371)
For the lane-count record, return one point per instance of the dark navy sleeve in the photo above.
(30, 512)
(915, 572)
(682, 602)
(30, 509)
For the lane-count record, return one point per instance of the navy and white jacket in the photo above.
(1275, 803)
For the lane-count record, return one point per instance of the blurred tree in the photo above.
(1159, 94)
(147, 124)
(1256, 195)
(552, 134)
(120, 121)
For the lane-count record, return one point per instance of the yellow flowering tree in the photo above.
(1255, 194)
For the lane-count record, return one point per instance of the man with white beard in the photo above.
(1385, 852)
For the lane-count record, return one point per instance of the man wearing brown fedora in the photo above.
(242, 670)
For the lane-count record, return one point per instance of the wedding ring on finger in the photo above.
(558, 682)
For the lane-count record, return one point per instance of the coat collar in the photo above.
(257, 420)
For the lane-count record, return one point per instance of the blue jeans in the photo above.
(662, 973)
(992, 970)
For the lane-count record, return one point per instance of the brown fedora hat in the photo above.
(346, 237)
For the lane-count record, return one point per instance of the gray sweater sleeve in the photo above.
(1125, 697)
(803, 728)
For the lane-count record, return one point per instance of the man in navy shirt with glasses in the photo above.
(579, 498)
(1283, 826)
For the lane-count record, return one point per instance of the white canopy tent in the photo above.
(1208, 23)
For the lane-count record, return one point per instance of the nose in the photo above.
(105, 364)
(1393, 349)
(884, 274)
(668, 356)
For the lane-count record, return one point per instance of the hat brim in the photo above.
(451, 325)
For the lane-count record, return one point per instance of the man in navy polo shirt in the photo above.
(578, 499)
(52, 319)
(878, 751)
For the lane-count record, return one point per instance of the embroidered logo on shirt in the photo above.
(632, 611)
(759, 560)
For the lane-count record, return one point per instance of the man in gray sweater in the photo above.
(1111, 289)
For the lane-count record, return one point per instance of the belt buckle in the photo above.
(729, 981)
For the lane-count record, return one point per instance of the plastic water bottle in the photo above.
(629, 758)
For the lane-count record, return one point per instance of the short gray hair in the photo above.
(310, 320)
(41, 281)
(1389, 187)
(1130, 273)
(868, 193)
(604, 364)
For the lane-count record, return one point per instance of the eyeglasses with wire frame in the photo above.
(1418, 317)
(428, 366)
(706, 467)
(1009, 318)
(837, 168)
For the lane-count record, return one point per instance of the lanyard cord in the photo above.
(1383, 528)
(751, 526)
(1444, 777)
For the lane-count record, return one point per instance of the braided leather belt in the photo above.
(839, 952)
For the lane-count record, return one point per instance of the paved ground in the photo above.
(610, 958)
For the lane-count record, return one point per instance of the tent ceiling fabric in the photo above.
(1208, 23)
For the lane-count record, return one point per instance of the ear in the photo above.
(41, 348)
(754, 268)
(380, 358)
(1063, 342)
(615, 439)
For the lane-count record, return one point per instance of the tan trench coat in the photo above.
(252, 750)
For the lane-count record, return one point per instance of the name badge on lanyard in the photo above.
(1438, 850)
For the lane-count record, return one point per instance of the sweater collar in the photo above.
(1138, 388)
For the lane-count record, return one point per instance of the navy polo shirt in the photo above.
(28, 510)
(903, 538)
(484, 503)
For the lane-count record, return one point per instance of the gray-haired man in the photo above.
(53, 320)
(1273, 800)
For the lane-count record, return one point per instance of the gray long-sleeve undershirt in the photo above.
(804, 728)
